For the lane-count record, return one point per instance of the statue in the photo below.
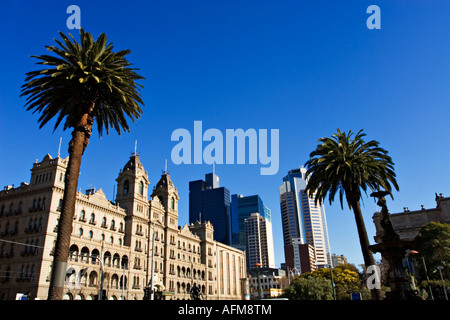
(392, 249)
(386, 223)
(195, 292)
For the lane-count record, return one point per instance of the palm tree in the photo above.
(82, 83)
(346, 164)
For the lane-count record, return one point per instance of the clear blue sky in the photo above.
(303, 67)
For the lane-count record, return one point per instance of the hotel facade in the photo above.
(113, 244)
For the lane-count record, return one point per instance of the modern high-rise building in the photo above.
(241, 208)
(259, 241)
(252, 229)
(209, 202)
(302, 219)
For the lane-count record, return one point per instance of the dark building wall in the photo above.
(212, 205)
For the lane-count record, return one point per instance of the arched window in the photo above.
(73, 252)
(92, 279)
(141, 188)
(172, 203)
(94, 256)
(126, 187)
(82, 214)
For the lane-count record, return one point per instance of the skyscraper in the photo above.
(302, 220)
(252, 229)
(259, 241)
(209, 202)
(241, 208)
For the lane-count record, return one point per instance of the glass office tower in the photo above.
(209, 202)
(251, 220)
(241, 208)
(301, 218)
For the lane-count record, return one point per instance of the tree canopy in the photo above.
(345, 280)
(433, 243)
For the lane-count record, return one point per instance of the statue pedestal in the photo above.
(394, 253)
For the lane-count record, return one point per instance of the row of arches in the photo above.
(86, 256)
(92, 220)
(90, 235)
(81, 296)
(77, 278)
(183, 272)
(185, 288)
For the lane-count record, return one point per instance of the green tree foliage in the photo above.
(433, 243)
(309, 288)
(345, 279)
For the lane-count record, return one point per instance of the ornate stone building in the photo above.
(113, 241)
(408, 223)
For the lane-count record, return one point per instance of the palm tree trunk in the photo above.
(79, 142)
(364, 242)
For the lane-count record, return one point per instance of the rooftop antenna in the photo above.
(165, 167)
(59, 148)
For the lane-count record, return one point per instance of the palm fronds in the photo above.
(84, 77)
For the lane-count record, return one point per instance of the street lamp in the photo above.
(410, 266)
(102, 278)
(124, 267)
(293, 272)
(332, 280)
(152, 292)
(442, 279)
(258, 266)
(103, 271)
(426, 272)
(332, 283)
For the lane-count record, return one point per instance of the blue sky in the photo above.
(303, 67)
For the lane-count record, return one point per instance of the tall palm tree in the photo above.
(82, 83)
(349, 164)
